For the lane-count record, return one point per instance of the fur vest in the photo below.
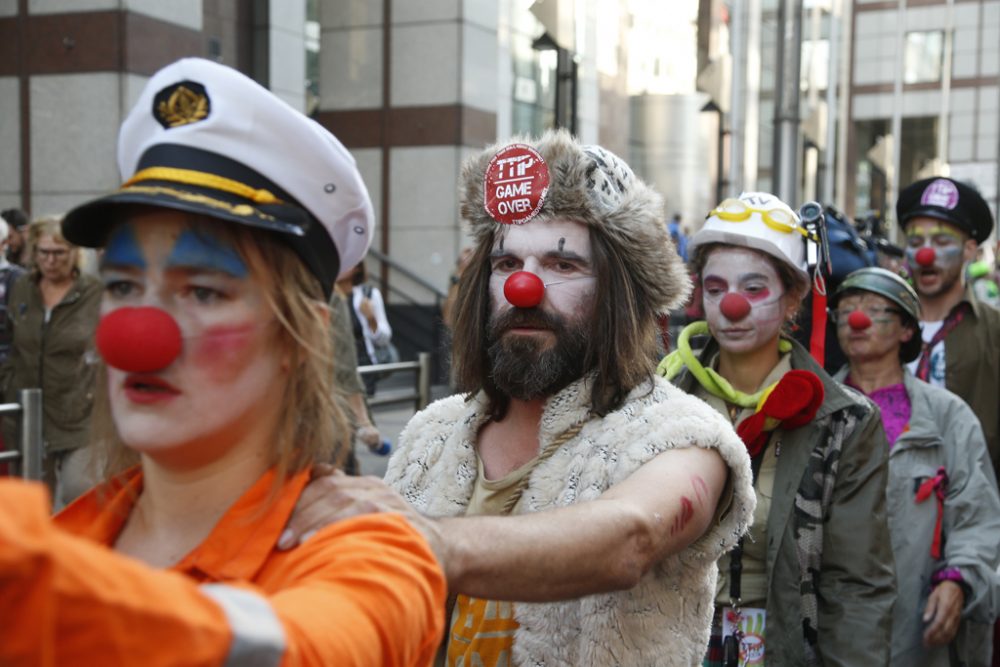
(665, 619)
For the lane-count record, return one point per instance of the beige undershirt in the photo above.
(753, 582)
(490, 495)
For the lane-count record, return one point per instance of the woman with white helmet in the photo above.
(813, 583)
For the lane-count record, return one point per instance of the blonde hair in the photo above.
(313, 427)
(49, 225)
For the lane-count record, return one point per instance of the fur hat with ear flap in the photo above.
(593, 186)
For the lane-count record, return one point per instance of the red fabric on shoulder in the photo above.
(794, 402)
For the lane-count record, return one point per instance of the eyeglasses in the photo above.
(873, 312)
(778, 219)
(45, 253)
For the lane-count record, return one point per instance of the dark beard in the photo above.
(521, 368)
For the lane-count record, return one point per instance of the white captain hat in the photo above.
(206, 139)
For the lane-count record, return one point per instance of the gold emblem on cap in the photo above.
(182, 107)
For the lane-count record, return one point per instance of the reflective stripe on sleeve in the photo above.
(258, 638)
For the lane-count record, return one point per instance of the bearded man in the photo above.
(575, 494)
(944, 221)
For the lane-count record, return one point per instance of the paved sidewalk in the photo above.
(390, 420)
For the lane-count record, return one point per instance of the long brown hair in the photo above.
(620, 352)
(313, 427)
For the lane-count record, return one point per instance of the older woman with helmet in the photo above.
(944, 512)
(813, 584)
(214, 400)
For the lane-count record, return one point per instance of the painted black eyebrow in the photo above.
(568, 255)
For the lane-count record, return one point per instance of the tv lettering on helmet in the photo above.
(757, 199)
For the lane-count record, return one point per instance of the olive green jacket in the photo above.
(972, 369)
(855, 588)
(58, 356)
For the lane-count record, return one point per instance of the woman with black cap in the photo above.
(944, 512)
(213, 402)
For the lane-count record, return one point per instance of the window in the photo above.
(922, 56)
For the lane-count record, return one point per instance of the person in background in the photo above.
(9, 273)
(813, 583)
(17, 248)
(215, 402)
(944, 512)
(347, 382)
(678, 236)
(945, 221)
(982, 282)
(372, 333)
(52, 315)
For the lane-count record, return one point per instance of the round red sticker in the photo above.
(515, 184)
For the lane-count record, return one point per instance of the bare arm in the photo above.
(366, 431)
(604, 545)
(592, 547)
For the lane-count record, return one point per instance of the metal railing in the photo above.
(421, 393)
(28, 456)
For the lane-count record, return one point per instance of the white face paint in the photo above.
(749, 274)
(557, 251)
(948, 243)
(228, 377)
(882, 339)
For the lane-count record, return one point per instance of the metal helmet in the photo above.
(887, 284)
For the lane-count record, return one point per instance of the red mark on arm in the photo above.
(700, 489)
(684, 517)
(701, 494)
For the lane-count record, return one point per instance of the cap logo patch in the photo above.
(181, 104)
(515, 184)
(941, 193)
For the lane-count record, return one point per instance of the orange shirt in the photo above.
(482, 633)
(365, 591)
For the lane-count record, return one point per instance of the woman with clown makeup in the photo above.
(214, 401)
(813, 582)
(944, 512)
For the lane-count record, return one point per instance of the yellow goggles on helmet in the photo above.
(778, 219)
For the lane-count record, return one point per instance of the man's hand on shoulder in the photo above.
(332, 496)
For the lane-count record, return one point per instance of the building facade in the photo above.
(924, 97)
(70, 70)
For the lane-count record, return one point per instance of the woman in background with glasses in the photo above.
(813, 583)
(944, 512)
(53, 311)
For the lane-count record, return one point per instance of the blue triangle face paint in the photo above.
(202, 251)
(123, 250)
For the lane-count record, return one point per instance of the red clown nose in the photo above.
(138, 340)
(925, 256)
(524, 289)
(859, 320)
(735, 307)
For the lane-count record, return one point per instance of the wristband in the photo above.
(948, 574)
